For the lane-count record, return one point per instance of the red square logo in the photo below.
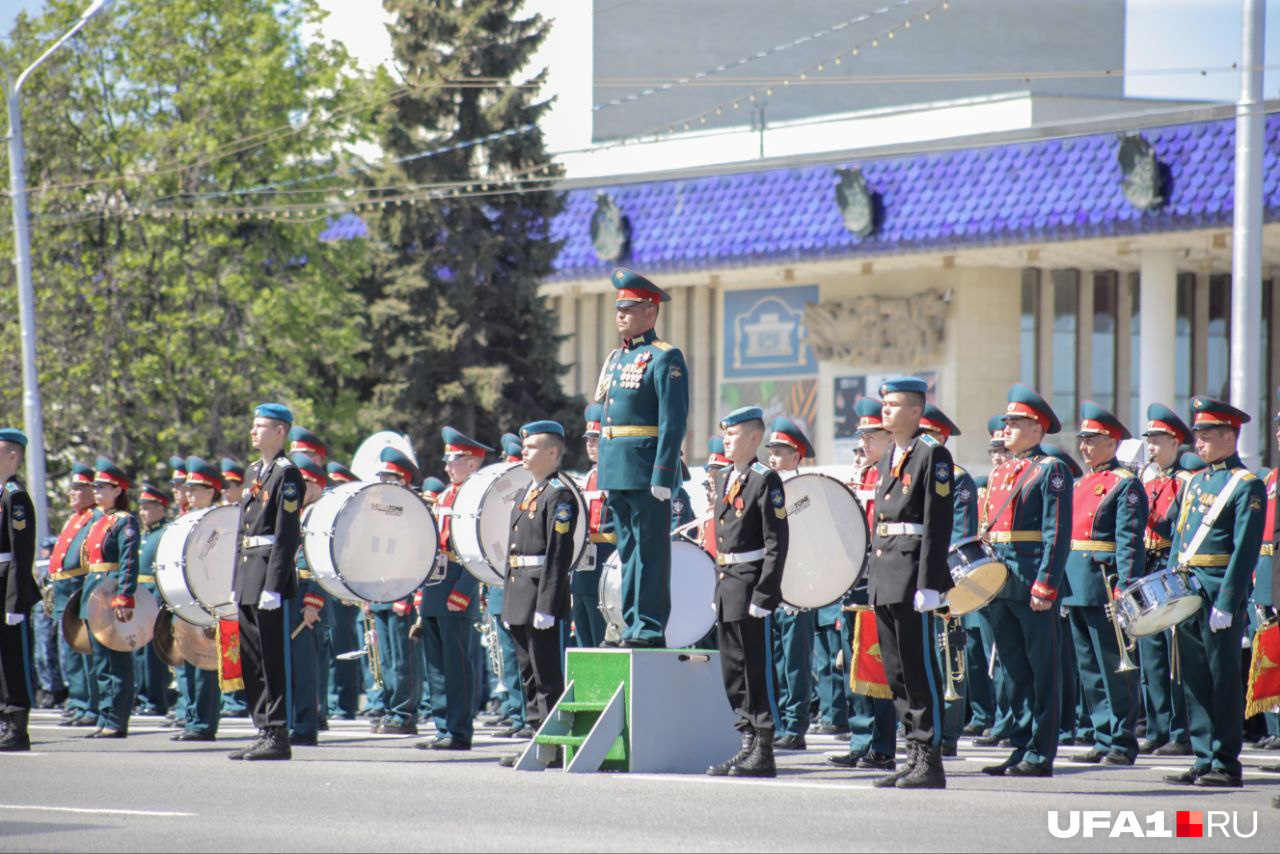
(1190, 823)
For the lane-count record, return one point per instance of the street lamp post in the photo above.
(32, 412)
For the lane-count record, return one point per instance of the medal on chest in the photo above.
(906, 483)
(633, 373)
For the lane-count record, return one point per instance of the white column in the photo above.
(702, 370)
(588, 333)
(1158, 304)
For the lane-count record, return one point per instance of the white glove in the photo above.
(506, 625)
(543, 621)
(758, 612)
(14, 619)
(268, 601)
(1219, 620)
(788, 610)
(927, 600)
(662, 493)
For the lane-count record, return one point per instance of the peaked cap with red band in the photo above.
(634, 289)
(311, 471)
(1026, 402)
(786, 432)
(870, 414)
(1209, 412)
(302, 440)
(936, 420)
(457, 445)
(201, 473)
(715, 453)
(338, 473)
(1162, 419)
(151, 492)
(110, 474)
(398, 463)
(1097, 421)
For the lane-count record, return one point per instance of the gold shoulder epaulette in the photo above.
(1248, 475)
(662, 345)
(1122, 472)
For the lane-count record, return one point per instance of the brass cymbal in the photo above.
(113, 634)
(74, 629)
(164, 642)
(196, 644)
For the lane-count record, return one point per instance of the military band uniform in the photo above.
(18, 583)
(588, 620)
(509, 689)
(67, 576)
(541, 553)
(345, 627)
(1261, 600)
(152, 674)
(270, 530)
(964, 524)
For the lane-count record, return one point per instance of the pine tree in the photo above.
(459, 334)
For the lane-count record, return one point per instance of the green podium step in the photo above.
(582, 707)
(561, 740)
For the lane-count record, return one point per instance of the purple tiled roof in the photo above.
(346, 227)
(1062, 189)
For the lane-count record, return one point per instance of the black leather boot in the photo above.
(722, 769)
(892, 780)
(274, 746)
(15, 738)
(927, 773)
(240, 753)
(759, 762)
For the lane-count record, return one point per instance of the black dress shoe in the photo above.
(447, 742)
(1117, 757)
(1093, 757)
(642, 644)
(1031, 769)
(948, 751)
(986, 741)
(1273, 744)
(322, 726)
(1219, 780)
(844, 760)
(1186, 778)
(15, 743)
(973, 729)
(525, 732)
(873, 761)
(509, 760)
(305, 741)
(399, 728)
(847, 735)
(191, 735)
(1270, 769)
(1150, 746)
(1067, 741)
(95, 733)
(830, 729)
(999, 770)
(86, 719)
(511, 732)
(790, 742)
(109, 733)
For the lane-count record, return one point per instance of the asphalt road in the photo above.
(363, 792)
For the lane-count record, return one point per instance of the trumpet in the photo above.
(368, 649)
(954, 662)
(488, 629)
(695, 526)
(1126, 645)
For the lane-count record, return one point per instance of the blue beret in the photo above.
(109, 473)
(434, 485)
(533, 428)
(741, 414)
(1210, 412)
(937, 420)
(457, 444)
(201, 473)
(784, 431)
(277, 411)
(338, 473)
(1026, 402)
(870, 412)
(593, 415)
(302, 439)
(310, 469)
(14, 436)
(908, 384)
(634, 288)
(1191, 462)
(1097, 421)
(395, 461)
(1055, 451)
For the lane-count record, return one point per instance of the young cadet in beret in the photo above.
(1109, 517)
(1165, 482)
(306, 608)
(150, 673)
(1218, 537)
(751, 551)
(110, 552)
(67, 576)
(199, 689)
(265, 576)
(1027, 520)
(792, 630)
(232, 481)
(18, 584)
(535, 597)
(588, 620)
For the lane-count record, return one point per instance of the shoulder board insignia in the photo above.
(556, 483)
(1184, 475)
(662, 345)
(926, 439)
(1122, 472)
(1246, 474)
(958, 471)
(760, 468)
(12, 487)
(284, 462)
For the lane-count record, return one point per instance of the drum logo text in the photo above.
(389, 509)
(802, 503)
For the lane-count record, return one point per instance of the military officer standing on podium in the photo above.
(644, 389)
(1109, 516)
(265, 576)
(751, 549)
(1217, 537)
(18, 584)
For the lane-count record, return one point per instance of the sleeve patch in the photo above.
(1255, 503)
(1132, 498)
(1057, 481)
(963, 494)
(942, 472)
(564, 512)
(675, 373)
(290, 491)
(19, 512)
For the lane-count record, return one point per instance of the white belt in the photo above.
(6, 557)
(592, 494)
(865, 494)
(900, 529)
(444, 511)
(259, 541)
(525, 561)
(728, 558)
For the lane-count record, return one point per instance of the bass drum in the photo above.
(195, 560)
(480, 519)
(370, 542)
(693, 594)
(827, 541)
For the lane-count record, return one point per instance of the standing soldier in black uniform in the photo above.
(264, 576)
(908, 576)
(535, 596)
(751, 549)
(18, 583)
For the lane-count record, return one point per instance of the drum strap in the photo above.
(1018, 486)
(1209, 519)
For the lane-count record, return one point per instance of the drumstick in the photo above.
(991, 662)
(297, 631)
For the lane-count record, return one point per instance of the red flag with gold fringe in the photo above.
(1264, 672)
(867, 675)
(230, 674)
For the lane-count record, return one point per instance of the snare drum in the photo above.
(827, 541)
(370, 542)
(693, 594)
(480, 519)
(195, 559)
(978, 575)
(1158, 601)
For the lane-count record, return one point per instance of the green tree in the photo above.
(159, 333)
(459, 334)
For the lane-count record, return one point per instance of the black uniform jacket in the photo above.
(17, 538)
(750, 517)
(542, 527)
(271, 507)
(918, 492)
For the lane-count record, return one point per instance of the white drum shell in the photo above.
(370, 542)
(195, 561)
(827, 541)
(693, 594)
(1158, 601)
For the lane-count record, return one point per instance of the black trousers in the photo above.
(264, 659)
(15, 668)
(745, 665)
(907, 639)
(541, 658)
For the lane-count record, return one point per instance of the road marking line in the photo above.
(86, 811)
(726, 781)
